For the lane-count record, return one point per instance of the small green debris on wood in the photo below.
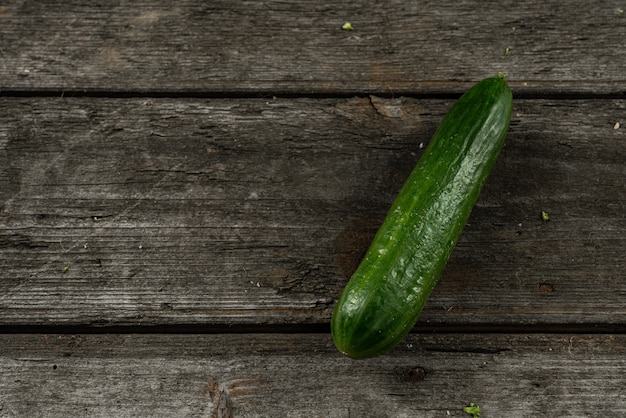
(507, 51)
(347, 26)
(66, 268)
(97, 219)
(545, 216)
(473, 410)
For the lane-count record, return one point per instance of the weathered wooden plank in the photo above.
(208, 212)
(273, 47)
(270, 375)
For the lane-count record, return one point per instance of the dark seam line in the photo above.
(291, 95)
(320, 328)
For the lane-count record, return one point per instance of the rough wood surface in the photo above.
(396, 47)
(179, 195)
(271, 375)
(255, 211)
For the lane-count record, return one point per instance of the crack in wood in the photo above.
(220, 399)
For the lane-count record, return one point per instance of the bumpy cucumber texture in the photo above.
(385, 296)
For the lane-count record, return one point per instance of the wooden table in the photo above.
(185, 188)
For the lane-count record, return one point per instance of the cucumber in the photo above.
(386, 294)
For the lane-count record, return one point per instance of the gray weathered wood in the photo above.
(255, 211)
(396, 47)
(272, 375)
(208, 206)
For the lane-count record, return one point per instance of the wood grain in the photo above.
(269, 375)
(273, 47)
(146, 212)
(197, 172)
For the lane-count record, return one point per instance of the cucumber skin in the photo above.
(385, 296)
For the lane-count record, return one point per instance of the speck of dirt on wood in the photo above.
(546, 288)
(416, 374)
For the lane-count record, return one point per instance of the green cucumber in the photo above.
(386, 294)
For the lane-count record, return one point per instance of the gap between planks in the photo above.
(519, 92)
(322, 328)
